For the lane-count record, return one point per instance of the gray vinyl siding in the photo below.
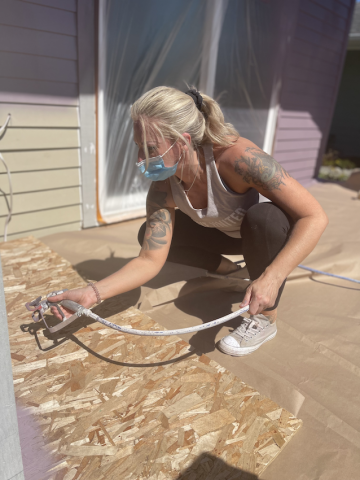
(20, 13)
(39, 87)
(36, 67)
(69, 5)
(34, 42)
(310, 83)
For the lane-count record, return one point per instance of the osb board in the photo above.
(117, 406)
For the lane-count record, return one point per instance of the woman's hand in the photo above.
(83, 296)
(261, 294)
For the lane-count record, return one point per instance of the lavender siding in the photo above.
(310, 82)
(39, 88)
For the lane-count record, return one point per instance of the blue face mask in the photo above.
(156, 170)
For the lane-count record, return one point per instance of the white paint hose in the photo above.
(40, 306)
(80, 310)
(162, 333)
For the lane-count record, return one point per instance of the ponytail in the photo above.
(217, 131)
(171, 113)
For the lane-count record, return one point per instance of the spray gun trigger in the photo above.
(53, 304)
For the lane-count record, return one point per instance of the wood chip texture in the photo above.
(118, 406)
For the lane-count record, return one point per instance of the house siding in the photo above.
(310, 83)
(39, 88)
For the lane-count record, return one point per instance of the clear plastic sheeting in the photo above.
(245, 65)
(226, 48)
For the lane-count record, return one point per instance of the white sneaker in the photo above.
(249, 336)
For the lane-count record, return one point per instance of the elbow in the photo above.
(326, 220)
(151, 264)
(323, 220)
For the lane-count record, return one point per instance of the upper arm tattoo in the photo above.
(158, 223)
(261, 169)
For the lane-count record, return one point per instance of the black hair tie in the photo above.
(195, 95)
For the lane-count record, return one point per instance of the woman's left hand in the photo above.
(261, 294)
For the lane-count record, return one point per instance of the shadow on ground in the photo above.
(68, 334)
(200, 297)
(205, 299)
(209, 467)
(98, 269)
(170, 273)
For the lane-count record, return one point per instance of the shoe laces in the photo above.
(248, 328)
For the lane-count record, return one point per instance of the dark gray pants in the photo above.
(264, 232)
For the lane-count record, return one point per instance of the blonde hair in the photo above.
(169, 113)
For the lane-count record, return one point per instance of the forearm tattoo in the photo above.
(158, 222)
(261, 169)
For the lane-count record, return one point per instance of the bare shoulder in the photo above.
(160, 215)
(245, 166)
(252, 166)
(160, 196)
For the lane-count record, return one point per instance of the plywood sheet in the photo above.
(114, 406)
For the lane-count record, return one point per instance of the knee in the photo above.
(141, 233)
(255, 217)
(264, 218)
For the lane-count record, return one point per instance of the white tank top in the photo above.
(225, 209)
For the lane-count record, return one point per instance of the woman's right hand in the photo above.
(83, 296)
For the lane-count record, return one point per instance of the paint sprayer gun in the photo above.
(40, 305)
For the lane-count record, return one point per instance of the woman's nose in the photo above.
(140, 155)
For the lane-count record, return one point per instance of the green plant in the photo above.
(332, 175)
(331, 159)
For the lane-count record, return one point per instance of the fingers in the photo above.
(55, 312)
(57, 298)
(65, 311)
(257, 301)
(255, 308)
(258, 304)
(247, 298)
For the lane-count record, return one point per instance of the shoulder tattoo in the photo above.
(157, 226)
(261, 169)
(157, 198)
(158, 222)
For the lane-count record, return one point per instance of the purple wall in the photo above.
(310, 84)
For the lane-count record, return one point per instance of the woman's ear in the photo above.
(187, 137)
